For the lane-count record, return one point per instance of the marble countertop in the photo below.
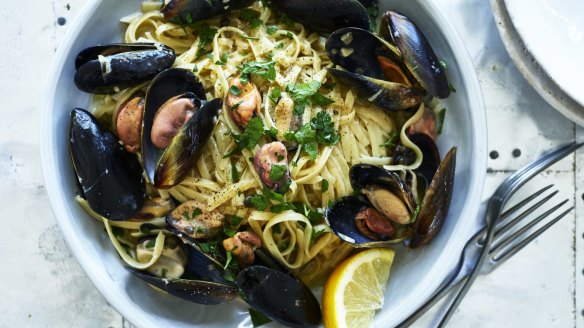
(43, 286)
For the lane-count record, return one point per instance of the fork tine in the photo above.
(522, 203)
(504, 241)
(504, 255)
(507, 226)
(500, 225)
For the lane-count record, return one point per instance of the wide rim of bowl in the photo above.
(442, 267)
(445, 264)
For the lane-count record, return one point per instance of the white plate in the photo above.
(416, 274)
(545, 39)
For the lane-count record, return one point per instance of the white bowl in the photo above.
(416, 274)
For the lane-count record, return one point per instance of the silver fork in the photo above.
(479, 249)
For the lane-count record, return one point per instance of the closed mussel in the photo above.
(188, 11)
(110, 68)
(325, 16)
(110, 177)
(178, 121)
(417, 53)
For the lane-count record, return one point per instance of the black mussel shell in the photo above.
(203, 267)
(431, 156)
(417, 53)
(436, 202)
(197, 291)
(363, 175)
(325, 16)
(109, 176)
(341, 215)
(109, 68)
(356, 50)
(279, 296)
(387, 95)
(185, 12)
(168, 167)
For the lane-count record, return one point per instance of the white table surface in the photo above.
(42, 285)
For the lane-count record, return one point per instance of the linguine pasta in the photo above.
(216, 50)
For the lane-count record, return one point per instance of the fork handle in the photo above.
(445, 289)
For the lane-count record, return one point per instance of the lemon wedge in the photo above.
(354, 291)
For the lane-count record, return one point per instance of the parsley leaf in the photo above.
(266, 70)
(257, 201)
(196, 212)
(277, 172)
(234, 173)
(151, 243)
(275, 94)
(272, 29)
(440, 115)
(325, 185)
(252, 134)
(234, 90)
(303, 92)
(325, 129)
(392, 139)
(206, 36)
(251, 16)
(258, 318)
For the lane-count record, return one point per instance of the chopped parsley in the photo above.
(266, 70)
(325, 129)
(277, 172)
(234, 90)
(251, 16)
(257, 201)
(279, 45)
(150, 244)
(231, 225)
(223, 59)
(164, 271)
(206, 36)
(195, 69)
(320, 130)
(272, 29)
(252, 134)
(303, 92)
(234, 173)
(275, 95)
(325, 185)
(392, 140)
(211, 247)
(442, 63)
(258, 318)
(451, 87)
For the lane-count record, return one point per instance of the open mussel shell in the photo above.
(109, 68)
(387, 95)
(416, 51)
(436, 202)
(188, 11)
(110, 177)
(197, 291)
(168, 167)
(279, 296)
(360, 53)
(364, 175)
(325, 16)
(341, 215)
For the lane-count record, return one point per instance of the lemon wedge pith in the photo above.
(354, 291)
